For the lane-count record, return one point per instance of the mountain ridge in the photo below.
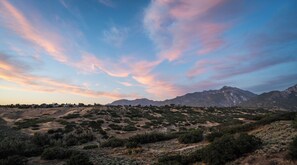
(226, 96)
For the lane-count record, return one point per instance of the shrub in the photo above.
(247, 143)
(52, 131)
(129, 128)
(115, 127)
(71, 116)
(11, 146)
(219, 152)
(294, 123)
(88, 147)
(14, 160)
(265, 120)
(55, 153)
(212, 136)
(150, 137)
(229, 148)
(32, 122)
(79, 158)
(132, 144)
(113, 142)
(74, 139)
(41, 139)
(293, 149)
(193, 136)
(171, 159)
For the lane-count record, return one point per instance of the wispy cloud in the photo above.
(108, 3)
(15, 19)
(281, 82)
(115, 36)
(178, 26)
(15, 71)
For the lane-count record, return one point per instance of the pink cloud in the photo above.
(10, 71)
(178, 26)
(159, 88)
(17, 22)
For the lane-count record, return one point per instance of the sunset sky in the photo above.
(98, 51)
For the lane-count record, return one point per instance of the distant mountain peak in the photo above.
(228, 88)
(286, 99)
(292, 89)
(225, 97)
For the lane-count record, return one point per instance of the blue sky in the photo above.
(97, 51)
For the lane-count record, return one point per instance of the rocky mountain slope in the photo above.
(286, 99)
(143, 102)
(224, 97)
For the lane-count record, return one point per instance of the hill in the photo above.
(224, 97)
(286, 99)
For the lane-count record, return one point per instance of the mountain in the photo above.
(224, 97)
(286, 99)
(143, 102)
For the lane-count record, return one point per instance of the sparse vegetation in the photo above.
(117, 126)
(294, 122)
(150, 137)
(92, 146)
(71, 116)
(79, 158)
(27, 123)
(129, 128)
(14, 160)
(293, 149)
(213, 135)
(113, 142)
(219, 152)
(55, 153)
(193, 136)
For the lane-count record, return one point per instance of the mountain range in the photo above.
(226, 97)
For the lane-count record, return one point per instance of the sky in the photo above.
(98, 51)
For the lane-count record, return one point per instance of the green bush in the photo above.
(11, 146)
(293, 149)
(129, 128)
(27, 123)
(81, 138)
(92, 146)
(150, 137)
(41, 139)
(265, 120)
(79, 158)
(193, 136)
(14, 160)
(71, 116)
(294, 123)
(229, 148)
(221, 151)
(52, 131)
(115, 127)
(172, 160)
(212, 136)
(132, 144)
(55, 153)
(247, 143)
(113, 142)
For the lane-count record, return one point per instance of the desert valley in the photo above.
(148, 82)
(150, 134)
